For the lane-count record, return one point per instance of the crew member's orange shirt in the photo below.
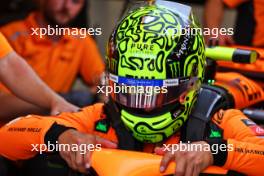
(5, 48)
(258, 38)
(57, 63)
(247, 157)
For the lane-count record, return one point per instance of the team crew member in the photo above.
(249, 12)
(249, 31)
(57, 58)
(143, 55)
(17, 75)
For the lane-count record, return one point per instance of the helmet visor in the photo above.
(148, 93)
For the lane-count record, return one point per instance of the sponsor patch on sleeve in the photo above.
(259, 131)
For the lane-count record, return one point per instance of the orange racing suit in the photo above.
(246, 137)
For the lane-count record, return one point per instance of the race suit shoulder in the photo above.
(247, 139)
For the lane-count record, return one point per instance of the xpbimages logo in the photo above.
(49, 147)
(56, 30)
(181, 147)
(214, 32)
(124, 89)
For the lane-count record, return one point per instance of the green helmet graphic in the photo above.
(151, 49)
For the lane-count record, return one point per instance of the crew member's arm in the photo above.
(18, 76)
(92, 66)
(247, 140)
(213, 16)
(22, 138)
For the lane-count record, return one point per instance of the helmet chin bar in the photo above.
(150, 127)
(152, 130)
(156, 128)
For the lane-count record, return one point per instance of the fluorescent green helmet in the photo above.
(151, 49)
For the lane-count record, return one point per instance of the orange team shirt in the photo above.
(5, 48)
(246, 137)
(59, 63)
(258, 38)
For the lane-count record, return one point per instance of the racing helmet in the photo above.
(158, 66)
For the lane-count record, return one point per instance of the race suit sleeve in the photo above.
(246, 139)
(20, 136)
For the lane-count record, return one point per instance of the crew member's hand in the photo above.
(221, 40)
(188, 163)
(60, 105)
(80, 160)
